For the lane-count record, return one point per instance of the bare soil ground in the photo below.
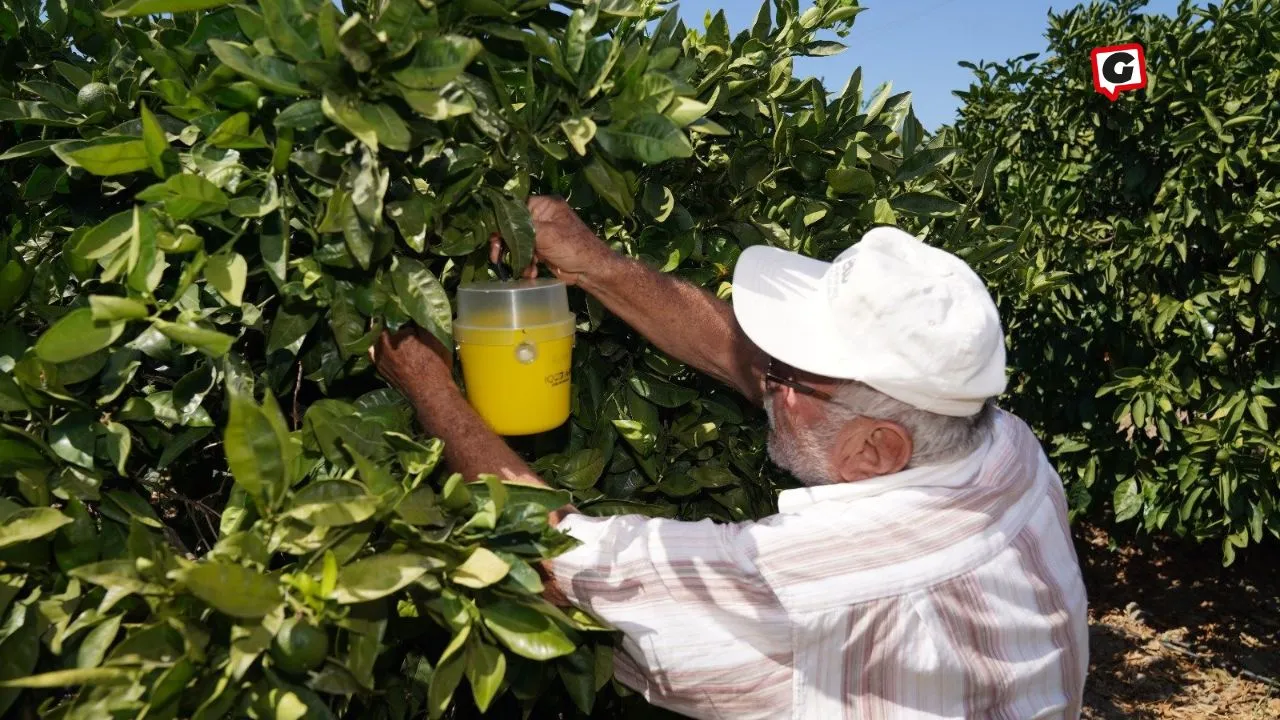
(1174, 635)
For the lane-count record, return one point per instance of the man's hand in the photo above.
(563, 242)
(412, 361)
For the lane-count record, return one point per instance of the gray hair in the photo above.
(936, 439)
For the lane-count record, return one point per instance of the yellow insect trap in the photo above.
(515, 341)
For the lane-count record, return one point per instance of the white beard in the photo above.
(800, 454)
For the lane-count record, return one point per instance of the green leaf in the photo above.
(20, 642)
(119, 444)
(30, 524)
(187, 196)
(448, 673)
(580, 131)
(1127, 500)
(35, 113)
(154, 140)
(107, 308)
(302, 115)
(78, 543)
(438, 61)
(268, 72)
(649, 138)
(368, 189)
(135, 508)
(846, 181)
(75, 335)
(387, 125)
(210, 342)
(822, 48)
(233, 590)
(31, 148)
(106, 237)
(255, 449)
(515, 224)
(711, 477)
(15, 279)
(660, 392)
(106, 156)
(577, 670)
(547, 499)
(19, 455)
(234, 133)
(877, 102)
(486, 668)
(119, 576)
(924, 162)
(622, 8)
(346, 113)
(133, 8)
(72, 74)
(884, 213)
(74, 677)
(291, 28)
(684, 110)
(411, 217)
(96, 644)
(481, 569)
(582, 470)
(424, 298)
(228, 273)
(926, 205)
(611, 185)
(639, 437)
(289, 330)
(525, 631)
(380, 575)
(335, 513)
(11, 396)
(63, 98)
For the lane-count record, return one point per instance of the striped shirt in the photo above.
(950, 591)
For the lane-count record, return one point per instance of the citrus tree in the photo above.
(209, 504)
(1155, 217)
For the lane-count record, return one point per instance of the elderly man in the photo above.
(925, 571)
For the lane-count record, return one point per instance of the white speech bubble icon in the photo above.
(1118, 68)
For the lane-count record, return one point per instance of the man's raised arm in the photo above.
(683, 321)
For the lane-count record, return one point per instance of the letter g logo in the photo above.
(1118, 68)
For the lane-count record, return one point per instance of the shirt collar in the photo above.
(952, 474)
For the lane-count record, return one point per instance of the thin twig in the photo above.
(297, 385)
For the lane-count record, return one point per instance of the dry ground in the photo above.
(1174, 635)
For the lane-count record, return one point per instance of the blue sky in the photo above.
(917, 43)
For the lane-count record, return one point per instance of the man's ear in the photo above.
(868, 448)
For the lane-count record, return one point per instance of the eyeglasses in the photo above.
(771, 376)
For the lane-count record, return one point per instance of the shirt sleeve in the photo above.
(690, 602)
(641, 559)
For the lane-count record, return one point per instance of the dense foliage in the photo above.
(210, 504)
(1158, 218)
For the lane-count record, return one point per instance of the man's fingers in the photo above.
(376, 346)
(495, 247)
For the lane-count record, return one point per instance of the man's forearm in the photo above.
(683, 321)
(470, 447)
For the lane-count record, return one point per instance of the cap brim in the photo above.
(778, 300)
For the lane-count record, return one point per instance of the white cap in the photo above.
(910, 320)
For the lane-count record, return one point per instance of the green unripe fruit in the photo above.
(299, 646)
(94, 97)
